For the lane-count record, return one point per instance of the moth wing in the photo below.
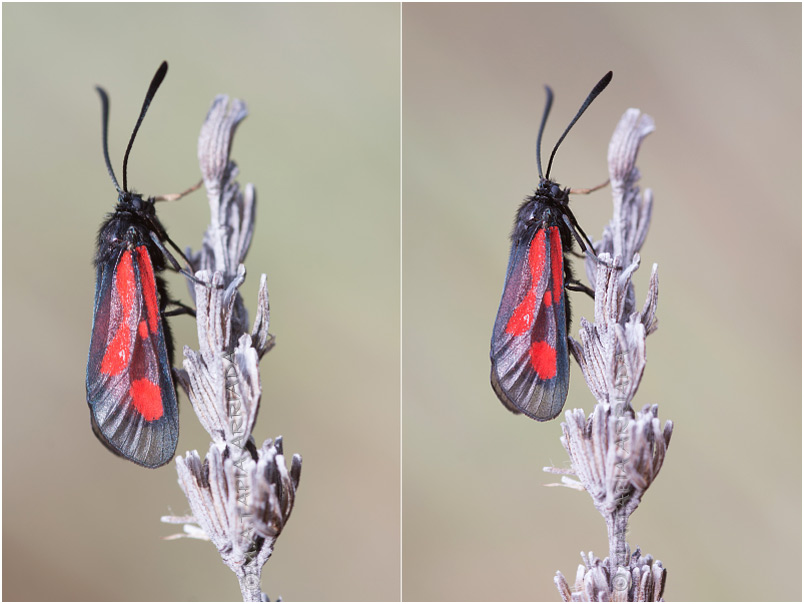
(129, 383)
(529, 354)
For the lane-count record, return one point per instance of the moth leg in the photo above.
(577, 286)
(174, 263)
(577, 232)
(181, 309)
(175, 196)
(580, 236)
(589, 190)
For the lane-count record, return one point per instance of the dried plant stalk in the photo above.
(616, 453)
(241, 496)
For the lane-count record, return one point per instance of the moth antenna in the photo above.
(155, 83)
(105, 134)
(548, 103)
(599, 87)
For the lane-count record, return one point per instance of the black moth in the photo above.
(529, 349)
(129, 382)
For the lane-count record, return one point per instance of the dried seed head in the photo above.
(616, 453)
(241, 497)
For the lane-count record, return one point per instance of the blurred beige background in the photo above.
(321, 145)
(723, 83)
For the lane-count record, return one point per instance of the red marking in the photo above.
(142, 330)
(556, 264)
(148, 283)
(543, 360)
(542, 354)
(125, 282)
(147, 399)
(118, 352)
(536, 257)
(522, 318)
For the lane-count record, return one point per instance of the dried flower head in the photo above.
(642, 581)
(241, 496)
(616, 453)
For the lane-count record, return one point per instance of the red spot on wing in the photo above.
(542, 349)
(543, 360)
(147, 399)
(118, 352)
(146, 394)
(536, 256)
(522, 318)
(527, 317)
(124, 281)
(556, 264)
(148, 283)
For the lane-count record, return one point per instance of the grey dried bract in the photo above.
(233, 212)
(616, 457)
(616, 453)
(642, 581)
(239, 502)
(241, 496)
(612, 351)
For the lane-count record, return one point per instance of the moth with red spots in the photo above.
(130, 391)
(529, 348)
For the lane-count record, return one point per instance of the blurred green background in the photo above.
(723, 82)
(321, 145)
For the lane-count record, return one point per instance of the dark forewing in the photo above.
(529, 362)
(129, 384)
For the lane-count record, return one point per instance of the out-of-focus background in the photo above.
(723, 82)
(321, 145)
